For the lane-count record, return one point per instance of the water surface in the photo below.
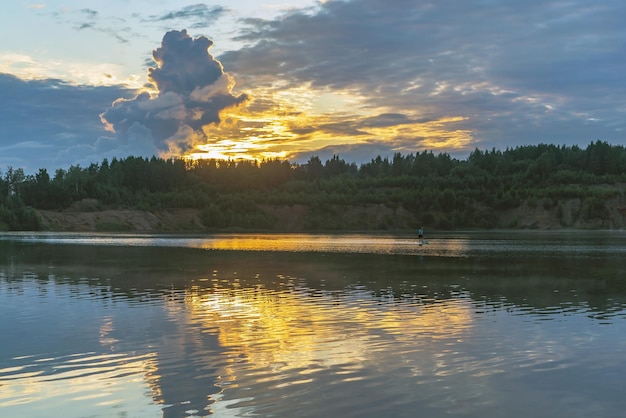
(470, 324)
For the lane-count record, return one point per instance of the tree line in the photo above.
(439, 190)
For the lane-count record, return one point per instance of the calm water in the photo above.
(470, 325)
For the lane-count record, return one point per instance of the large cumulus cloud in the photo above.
(190, 89)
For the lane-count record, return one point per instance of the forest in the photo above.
(432, 189)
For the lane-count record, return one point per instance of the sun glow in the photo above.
(284, 122)
(433, 135)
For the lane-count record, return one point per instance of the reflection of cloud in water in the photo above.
(74, 385)
(298, 328)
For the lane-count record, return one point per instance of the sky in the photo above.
(81, 81)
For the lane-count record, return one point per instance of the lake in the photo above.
(471, 324)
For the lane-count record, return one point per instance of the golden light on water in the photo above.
(289, 329)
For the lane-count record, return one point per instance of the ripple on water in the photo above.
(78, 384)
(235, 345)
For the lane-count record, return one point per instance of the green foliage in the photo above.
(447, 200)
(112, 227)
(593, 208)
(437, 189)
(18, 218)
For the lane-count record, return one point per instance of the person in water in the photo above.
(420, 235)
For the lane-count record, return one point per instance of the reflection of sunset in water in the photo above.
(463, 326)
(310, 242)
(86, 379)
(459, 247)
(300, 328)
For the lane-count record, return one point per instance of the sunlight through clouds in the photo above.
(282, 122)
(296, 78)
(276, 123)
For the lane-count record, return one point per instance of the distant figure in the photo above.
(420, 235)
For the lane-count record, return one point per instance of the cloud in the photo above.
(191, 91)
(137, 143)
(90, 13)
(516, 72)
(354, 78)
(201, 14)
(50, 123)
(43, 121)
(90, 19)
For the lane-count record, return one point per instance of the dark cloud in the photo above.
(184, 64)
(193, 16)
(91, 15)
(90, 19)
(89, 12)
(42, 122)
(192, 90)
(519, 72)
(385, 119)
(351, 153)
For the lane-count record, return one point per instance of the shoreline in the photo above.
(290, 220)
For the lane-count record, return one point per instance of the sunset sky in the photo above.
(85, 80)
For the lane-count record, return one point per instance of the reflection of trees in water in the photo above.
(278, 311)
(145, 272)
(551, 285)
